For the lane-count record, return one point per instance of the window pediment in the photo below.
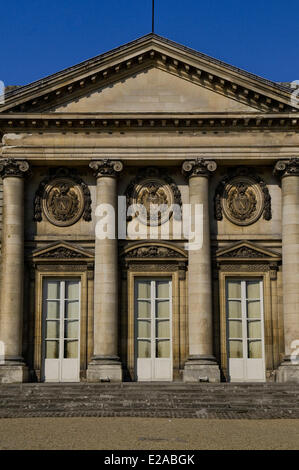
(246, 251)
(62, 251)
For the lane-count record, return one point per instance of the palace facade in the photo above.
(149, 122)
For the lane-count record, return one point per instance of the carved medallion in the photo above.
(151, 196)
(242, 198)
(63, 198)
(156, 198)
(63, 202)
(243, 201)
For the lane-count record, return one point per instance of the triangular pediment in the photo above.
(62, 251)
(152, 91)
(246, 251)
(160, 70)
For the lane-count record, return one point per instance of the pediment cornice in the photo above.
(158, 251)
(247, 251)
(147, 52)
(62, 251)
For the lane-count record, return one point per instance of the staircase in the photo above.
(175, 400)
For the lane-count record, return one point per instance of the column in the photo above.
(289, 172)
(201, 364)
(12, 366)
(105, 364)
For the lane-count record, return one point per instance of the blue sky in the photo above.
(41, 37)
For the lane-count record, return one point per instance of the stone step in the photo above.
(146, 396)
(200, 414)
(152, 400)
(151, 387)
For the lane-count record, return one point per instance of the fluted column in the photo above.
(13, 368)
(201, 364)
(105, 363)
(289, 172)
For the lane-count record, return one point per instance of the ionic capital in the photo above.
(198, 167)
(106, 167)
(12, 167)
(287, 167)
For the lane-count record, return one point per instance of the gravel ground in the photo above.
(146, 434)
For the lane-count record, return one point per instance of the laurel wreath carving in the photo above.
(221, 192)
(70, 178)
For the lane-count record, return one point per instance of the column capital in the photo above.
(198, 167)
(12, 167)
(106, 167)
(287, 167)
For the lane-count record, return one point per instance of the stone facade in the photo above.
(149, 121)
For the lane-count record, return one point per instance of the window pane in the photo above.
(144, 349)
(52, 309)
(253, 289)
(253, 309)
(52, 328)
(143, 289)
(163, 349)
(234, 289)
(52, 349)
(234, 309)
(254, 349)
(52, 290)
(72, 309)
(235, 349)
(143, 308)
(71, 329)
(162, 308)
(144, 329)
(162, 290)
(254, 329)
(163, 330)
(72, 290)
(235, 328)
(70, 349)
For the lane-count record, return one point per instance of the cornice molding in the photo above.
(22, 122)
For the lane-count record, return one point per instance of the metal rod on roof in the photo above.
(153, 17)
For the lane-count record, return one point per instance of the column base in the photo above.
(201, 369)
(104, 369)
(13, 373)
(288, 372)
